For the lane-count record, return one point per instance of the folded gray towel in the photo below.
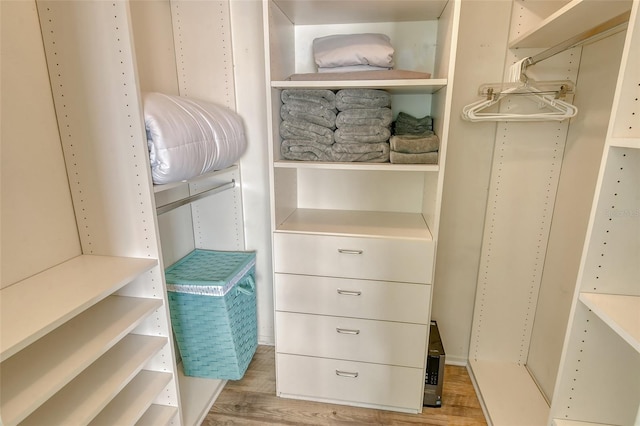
(365, 117)
(415, 144)
(323, 97)
(361, 152)
(421, 158)
(301, 129)
(361, 134)
(408, 124)
(362, 98)
(310, 112)
(305, 150)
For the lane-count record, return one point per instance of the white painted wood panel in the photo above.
(591, 345)
(37, 212)
(381, 300)
(508, 394)
(155, 51)
(583, 151)
(204, 54)
(480, 59)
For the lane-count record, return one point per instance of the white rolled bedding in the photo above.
(188, 137)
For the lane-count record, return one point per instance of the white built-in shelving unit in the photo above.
(498, 361)
(371, 227)
(602, 347)
(86, 336)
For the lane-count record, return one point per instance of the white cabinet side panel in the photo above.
(612, 259)
(626, 118)
(217, 219)
(102, 131)
(480, 59)
(155, 51)
(600, 376)
(37, 213)
(251, 95)
(203, 48)
(524, 178)
(585, 142)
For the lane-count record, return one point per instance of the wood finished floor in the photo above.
(253, 401)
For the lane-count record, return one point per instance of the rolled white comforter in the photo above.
(188, 137)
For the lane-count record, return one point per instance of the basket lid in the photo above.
(209, 272)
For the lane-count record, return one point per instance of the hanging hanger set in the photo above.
(549, 95)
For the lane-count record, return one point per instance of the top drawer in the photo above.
(389, 259)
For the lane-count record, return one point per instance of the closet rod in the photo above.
(173, 205)
(606, 29)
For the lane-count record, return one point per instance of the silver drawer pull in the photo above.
(347, 331)
(347, 251)
(349, 292)
(347, 374)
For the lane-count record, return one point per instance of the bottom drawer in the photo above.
(347, 382)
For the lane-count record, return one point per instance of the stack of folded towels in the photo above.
(363, 125)
(413, 141)
(353, 52)
(308, 122)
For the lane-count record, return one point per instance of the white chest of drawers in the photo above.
(352, 317)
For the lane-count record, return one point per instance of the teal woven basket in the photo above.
(212, 302)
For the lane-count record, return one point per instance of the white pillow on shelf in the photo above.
(345, 50)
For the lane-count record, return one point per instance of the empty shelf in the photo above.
(37, 372)
(35, 306)
(157, 415)
(134, 400)
(83, 399)
(621, 313)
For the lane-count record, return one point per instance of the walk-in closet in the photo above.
(517, 230)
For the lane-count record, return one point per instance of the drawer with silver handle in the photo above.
(368, 299)
(381, 342)
(387, 259)
(353, 383)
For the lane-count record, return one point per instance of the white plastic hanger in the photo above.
(554, 109)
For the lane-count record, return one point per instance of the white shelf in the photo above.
(509, 394)
(290, 164)
(417, 86)
(82, 399)
(157, 415)
(575, 18)
(315, 12)
(37, 372)
(197, 396)
(134, 400)
(357, 223)
(37, 305)
(625, 142)
(621, 313)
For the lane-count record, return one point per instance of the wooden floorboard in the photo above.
(253, 401)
